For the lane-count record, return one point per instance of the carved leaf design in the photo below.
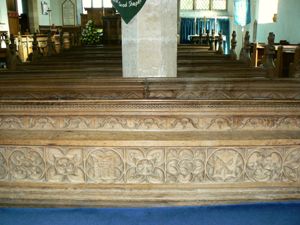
(11, 123)
(26, 164)
(292, 165)
(66, 165)
(264, 166)
(3, 170)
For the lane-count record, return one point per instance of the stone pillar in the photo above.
(149, 41)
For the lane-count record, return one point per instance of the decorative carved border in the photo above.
(150, 165)
(164, 123)
(149, 105)
(153, 94)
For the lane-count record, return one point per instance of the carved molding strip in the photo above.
(223, 94)
(155, 94)
(199, 123)
(150, 165)
(149, 105)
(111, 95)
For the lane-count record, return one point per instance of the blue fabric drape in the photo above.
(242, 12)
(188, 28)
(224, 26)
(241, 214)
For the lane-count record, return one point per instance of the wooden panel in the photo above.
(13, 22)
(11, 5)
(112, 29)
(192, 152)
(96, 14)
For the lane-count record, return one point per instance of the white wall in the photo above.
(37, 18)
(3, 16)
(56, 6)
(43, 19)
(287, 25)
(56, 12)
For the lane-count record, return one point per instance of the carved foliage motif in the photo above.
(150, 122)
(292, 165)
(264, 165)
(26, 163)
(145, 166)
(3, 165)
(186, 165)
(65, 165)
(156, 165)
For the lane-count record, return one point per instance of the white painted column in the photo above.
(149, 41)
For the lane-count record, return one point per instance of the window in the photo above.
(203, 4)
(267, 9)
(95, 4)
(20, 7)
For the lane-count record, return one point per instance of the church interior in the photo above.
(149, 112)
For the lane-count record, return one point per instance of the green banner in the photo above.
(128, 8)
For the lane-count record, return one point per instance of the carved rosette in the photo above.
(65, 165)
(186, 166)
(26, 163)
(145, 165)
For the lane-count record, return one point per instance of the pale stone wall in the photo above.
(3, 16)
(150, 41)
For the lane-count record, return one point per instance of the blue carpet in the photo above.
(287, 213)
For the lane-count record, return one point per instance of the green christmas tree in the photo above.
(89, 35)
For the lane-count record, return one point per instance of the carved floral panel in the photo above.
(65, 165)
(26, 163)
(145, 165)
(150, 165)
(186, 165)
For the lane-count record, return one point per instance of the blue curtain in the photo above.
(188, 28)
(224, 26)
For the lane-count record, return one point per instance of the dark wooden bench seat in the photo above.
(70, 87)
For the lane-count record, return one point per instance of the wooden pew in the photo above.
(295, 65)
(191, 60)
(146, 141)
(284, 56)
